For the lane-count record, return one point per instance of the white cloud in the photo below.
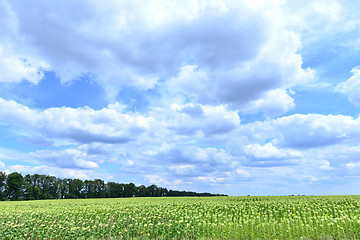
(69, 158)
(14, 69)
(268, 151)
(302, 131)
(319, 15)
(108, 41)
(210, 120)
(240, 50)
(325, 165)
(249, 84)
(210, 157)
(242, 172)
(83, 125)
(333, 23)
(273, 103)
(16, 66)
(156, 179)
(53, 171)
(247, 88)
(184, 169)
(351, 87)
(315, 130)
(329, 9)
(336, 157)
(209, 179)
(352, 165)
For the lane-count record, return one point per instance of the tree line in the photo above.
(14, 186)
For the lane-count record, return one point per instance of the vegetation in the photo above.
(34, 187)
(335, 217)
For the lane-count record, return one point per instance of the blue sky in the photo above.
(237, 97)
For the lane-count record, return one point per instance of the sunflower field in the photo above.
(290, 217)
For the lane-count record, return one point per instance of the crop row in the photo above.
(183, 218)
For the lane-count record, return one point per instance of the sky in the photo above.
(240, 97)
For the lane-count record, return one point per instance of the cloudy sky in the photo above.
(238, 97)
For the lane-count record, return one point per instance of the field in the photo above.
(331, 217)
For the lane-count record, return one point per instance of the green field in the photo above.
(331, 217)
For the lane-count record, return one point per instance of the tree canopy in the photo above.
(33, 187)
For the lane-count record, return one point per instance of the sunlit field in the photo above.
(331, 217)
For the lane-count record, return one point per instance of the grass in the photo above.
(330, 217)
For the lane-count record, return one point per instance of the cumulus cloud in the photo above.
(69, 158)
(185, 169)
(185, 164)
(195, 110)
(94, 149)
(76, 38)
(315, 130)
(53, 171)
(303, 131)
(14, 69)
(322, 19)
(273, 103)
(247, 89)
(83, 125)
(156, 179)
(282, 142)
(213, 53)
(242, 172)
(249, 85)
(270, 156)
(16, 66)
(212, 157)
(209, 179)
(351, 87)
(268, 151)
(337, 157)
(195, 119)
(296, 140)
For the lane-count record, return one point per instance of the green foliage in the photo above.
(2, 186)
(14, 185)
(34, 187)
(333, 217)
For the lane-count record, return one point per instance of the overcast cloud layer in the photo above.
(236, 97)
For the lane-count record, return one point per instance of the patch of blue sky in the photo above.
(332, 62)
(308, 101)
(332, 59)
(251, 118)
(51, 93)
(10, 140)
(137, 100)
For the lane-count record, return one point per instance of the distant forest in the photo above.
(14, 186)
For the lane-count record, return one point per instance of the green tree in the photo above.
(114, 190)
(54, 188)
(63, 188)
(130, 190)
(142, 191)
(75, 188)
(2, 186)
(89, 189)
(99, 188)
(14, 186)
(153, 191)
(28, 188)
